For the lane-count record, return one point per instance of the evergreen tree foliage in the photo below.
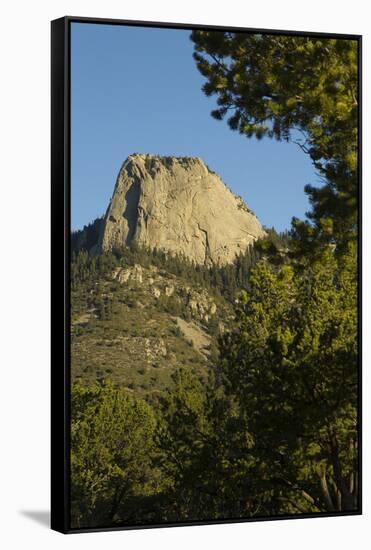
(206, 455)
(87, 269)
(273, 428)
(87, 237)
(111, 445)
(303, 89)
(292, 364)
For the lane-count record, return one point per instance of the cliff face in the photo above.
(179, 205)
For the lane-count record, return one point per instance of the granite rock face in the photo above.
(177, 204)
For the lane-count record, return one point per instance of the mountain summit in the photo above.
(177, 204)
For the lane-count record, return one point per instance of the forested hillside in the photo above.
(239, 417)
(138, 314)
(211, 391)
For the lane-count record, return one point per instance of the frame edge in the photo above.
(59, 519)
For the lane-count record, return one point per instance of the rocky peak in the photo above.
(177, 204)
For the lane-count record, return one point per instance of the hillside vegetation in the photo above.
(263, 421)
(219, 387)
(139, 314)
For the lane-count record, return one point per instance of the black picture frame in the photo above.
(61, 256)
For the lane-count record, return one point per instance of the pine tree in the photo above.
(303, 89)
(292, 364)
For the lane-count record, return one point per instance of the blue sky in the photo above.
(138, 90)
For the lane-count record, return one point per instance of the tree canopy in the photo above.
(303, 89)
(273, 426)
(111, 441)
(291, 362)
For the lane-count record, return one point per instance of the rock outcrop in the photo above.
(196, 301)
(177, 204)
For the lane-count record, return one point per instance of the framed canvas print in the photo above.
(205, 274)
